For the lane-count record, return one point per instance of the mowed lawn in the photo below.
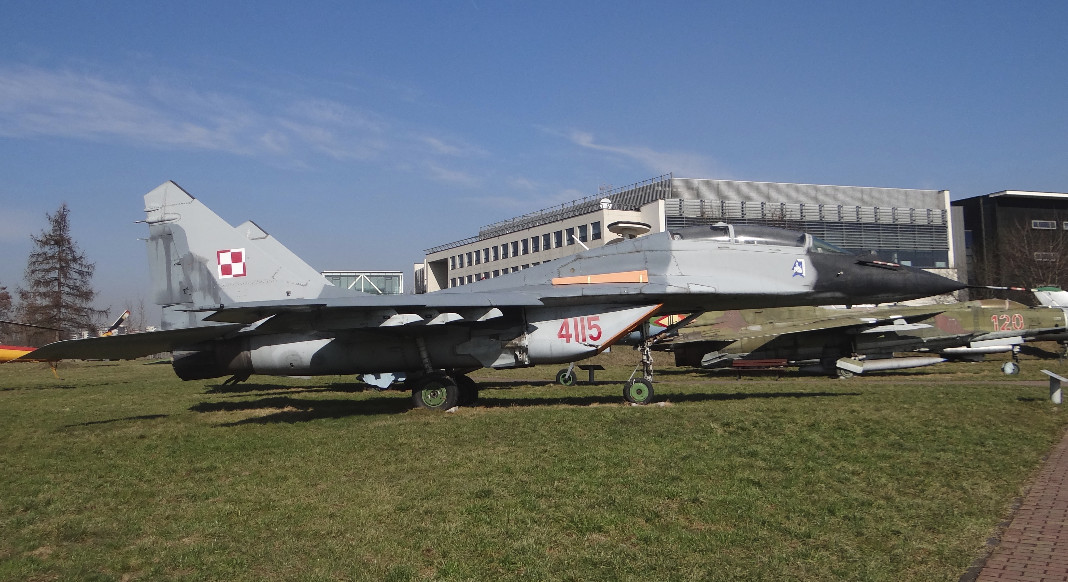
(120, 471)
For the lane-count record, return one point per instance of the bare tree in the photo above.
(138, 315)
(5, 314)
(59, 292)
(5, 304)
(1028, 257)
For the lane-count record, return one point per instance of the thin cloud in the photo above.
(45, 103)
(36, 103)
(680, 163)
(450, 148)
(521, 183)
(526, 203)
(509, 205)
(330, 142)
(451, 176)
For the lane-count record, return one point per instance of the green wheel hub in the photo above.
(565, 377)
(433, 397)
(438, 393)
(638, 391)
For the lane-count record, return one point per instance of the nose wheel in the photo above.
(640, 390)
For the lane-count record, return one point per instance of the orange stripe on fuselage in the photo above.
(622, 277)
(11, 352)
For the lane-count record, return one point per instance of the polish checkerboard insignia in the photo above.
(231, 263)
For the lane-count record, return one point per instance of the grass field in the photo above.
(120, 471)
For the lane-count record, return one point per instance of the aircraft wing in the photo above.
(371, 311)
(791, 338)
(361, 312)
(847, 322)
(122, 347)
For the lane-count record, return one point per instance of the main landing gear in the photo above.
(440, 391)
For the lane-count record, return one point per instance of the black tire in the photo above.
(565, 377)
(436, 392)
(638, 391)
(468, 389)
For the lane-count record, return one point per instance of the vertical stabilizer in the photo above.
(198, 260)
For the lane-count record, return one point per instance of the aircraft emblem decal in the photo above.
(231, 263)
(799, 268)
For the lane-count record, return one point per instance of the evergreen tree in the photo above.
(59, 291)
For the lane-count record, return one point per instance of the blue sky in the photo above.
(361, 133)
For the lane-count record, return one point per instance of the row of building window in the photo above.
(1047, 225)
(526, 246)
(456, 281)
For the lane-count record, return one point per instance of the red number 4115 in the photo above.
(580, 329)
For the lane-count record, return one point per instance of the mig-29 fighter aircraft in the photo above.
(237, 302)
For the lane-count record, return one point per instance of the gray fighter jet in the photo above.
(236, 302)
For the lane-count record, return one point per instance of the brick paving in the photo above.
(1034, 547)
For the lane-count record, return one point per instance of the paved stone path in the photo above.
(1034, 547)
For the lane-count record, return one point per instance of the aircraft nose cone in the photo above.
(929, 283)
(860, 281)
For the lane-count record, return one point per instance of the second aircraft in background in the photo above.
(859, 340)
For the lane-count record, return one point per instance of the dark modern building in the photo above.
(1016, 238)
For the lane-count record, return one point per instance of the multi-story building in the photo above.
(1016, 238)
(907, 226)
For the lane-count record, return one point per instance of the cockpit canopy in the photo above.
(755, 234)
